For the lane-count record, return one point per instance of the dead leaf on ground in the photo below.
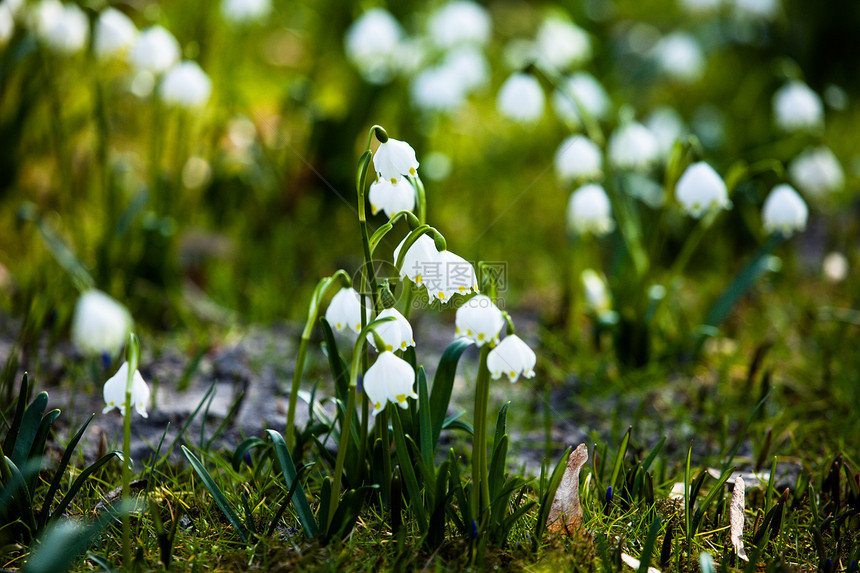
(565, 513)
(634, 563)
(736, 518)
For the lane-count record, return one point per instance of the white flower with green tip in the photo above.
(394, 159)
(396, 334)
(589, 211)
(114, 392)
(100, 324)
(390, 379)
(344, 310)
(420, 261)
(784, 211)
(701, 189)
(155, 51)
(511, 357)
(479, 320)
(457, 277)
(390, 197)
(115, 34)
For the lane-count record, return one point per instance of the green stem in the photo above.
(385, 437)
(480, 485)
(289, 438)
(132, 357)
(341, 455)
(692, 243)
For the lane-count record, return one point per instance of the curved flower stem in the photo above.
(132, 357)
(341, 454)
(421, 195)
(480, 485)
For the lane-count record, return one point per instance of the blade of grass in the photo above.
(216, 493)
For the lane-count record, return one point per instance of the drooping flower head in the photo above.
(344, 310)
(578, 158)
(186, 86)
(63, 28)
(596, 294)
(797, 108)
(459, 22)
(457, 277)
(511, 357)
(115, 34)
(155, 51)
(521, 99)
(114, 392)
(680, 57)
(633, 147)
(395, 159)
(667, 127)
(100, 324)
(396, 334)
(421, 261)
(589, 211)
(580, 89)
(390, 379)
(480, 320)
(373, 44)
(390, 197)
(561, 44)
(701, 189)
(817, 172)
(241, 12)
(784, 211)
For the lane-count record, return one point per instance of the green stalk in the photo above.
(480, 485)
(382, 423)
(132, 357)
(341, 455)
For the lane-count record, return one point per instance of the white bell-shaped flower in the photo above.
(373, 44)
(396, 334)
(589, 211)
(597, 297)
(421, 263)
(468, 67)
(457, 277)
(391, 197)
(185, 85)
(680, 57)
(521, 99)
(817, 172)
(390, 379)
(437, 89)
(834, 267)
(242, 12)
(155, 51)
(667, 127)
(633, 147)
(344, 310)
(7, 24)
(512, 357)
(100, 324)
(580, 89)
(701, 189)
(756, 9)
(114, 392)
(784, 211)
(63, 28)
(115, 34)
(394, 159)
(797, 108)
(480, 320)
(578, 158)
(560, 44)
(459, 22)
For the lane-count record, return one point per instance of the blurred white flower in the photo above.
(391, 197)
(578, 158)
(245, 11)
(437, 89)
(396, 334)
(394, 159)
(372, 45)
(667, 126)
(100, 324)
(344, 310)
(155, 51)
(597, 297)
(63, 28)
(817, 172)
(511, 357)
(756, 9)
(521, 99)
(114, 392)
(7, 22)
(784, 211)
(560, 44)
(390, 379)
(589, 211)
(835, 267)
(115, 34)
(699, 7)
(420, 261)
(701, 189)
(460, 22)
(796, 107)
(469, 66)
(479, 320)
(580, 89)
(457, 277)
(632, 146)
(185, 85)
(680, 57)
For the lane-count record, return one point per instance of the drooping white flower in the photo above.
(701, 189)
(115, 34)
(63, 28)
(457, 277)
(560, 44)
(479, 320)
(596, 294)
(699, 7)
(155, 51)
(114, 392)
(396, 334)
(680, 57)
(344, 310)
(580, 89)
(835, 267)
(784, 211)
(633, 147)
(394, 159)
(437, 89)
(667, 126)
(243, 12)
(817, 172)
(589, 211)
(390, 379)
(459, 22)
(7, 22)
(185, 85)
(421, 262)
(372, 44)
(511, 357)
(578, 158)
(797, 108)
(390, 197)
(521, 98)
(469, 66)
(100, 324)
(756, 9)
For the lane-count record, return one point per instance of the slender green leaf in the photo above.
(712, 494)
(443, 384)
(12, 435)
(336, 364)
(496, 476)
(406, 467)
(60, 472)
(619, 458)
(29, 427)
(216, 493)
(424, 421)
(246, 446)
(79, 481)
(648, 546)
(688, 522)
(646, 465)
(193, 415)
(300, 500)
